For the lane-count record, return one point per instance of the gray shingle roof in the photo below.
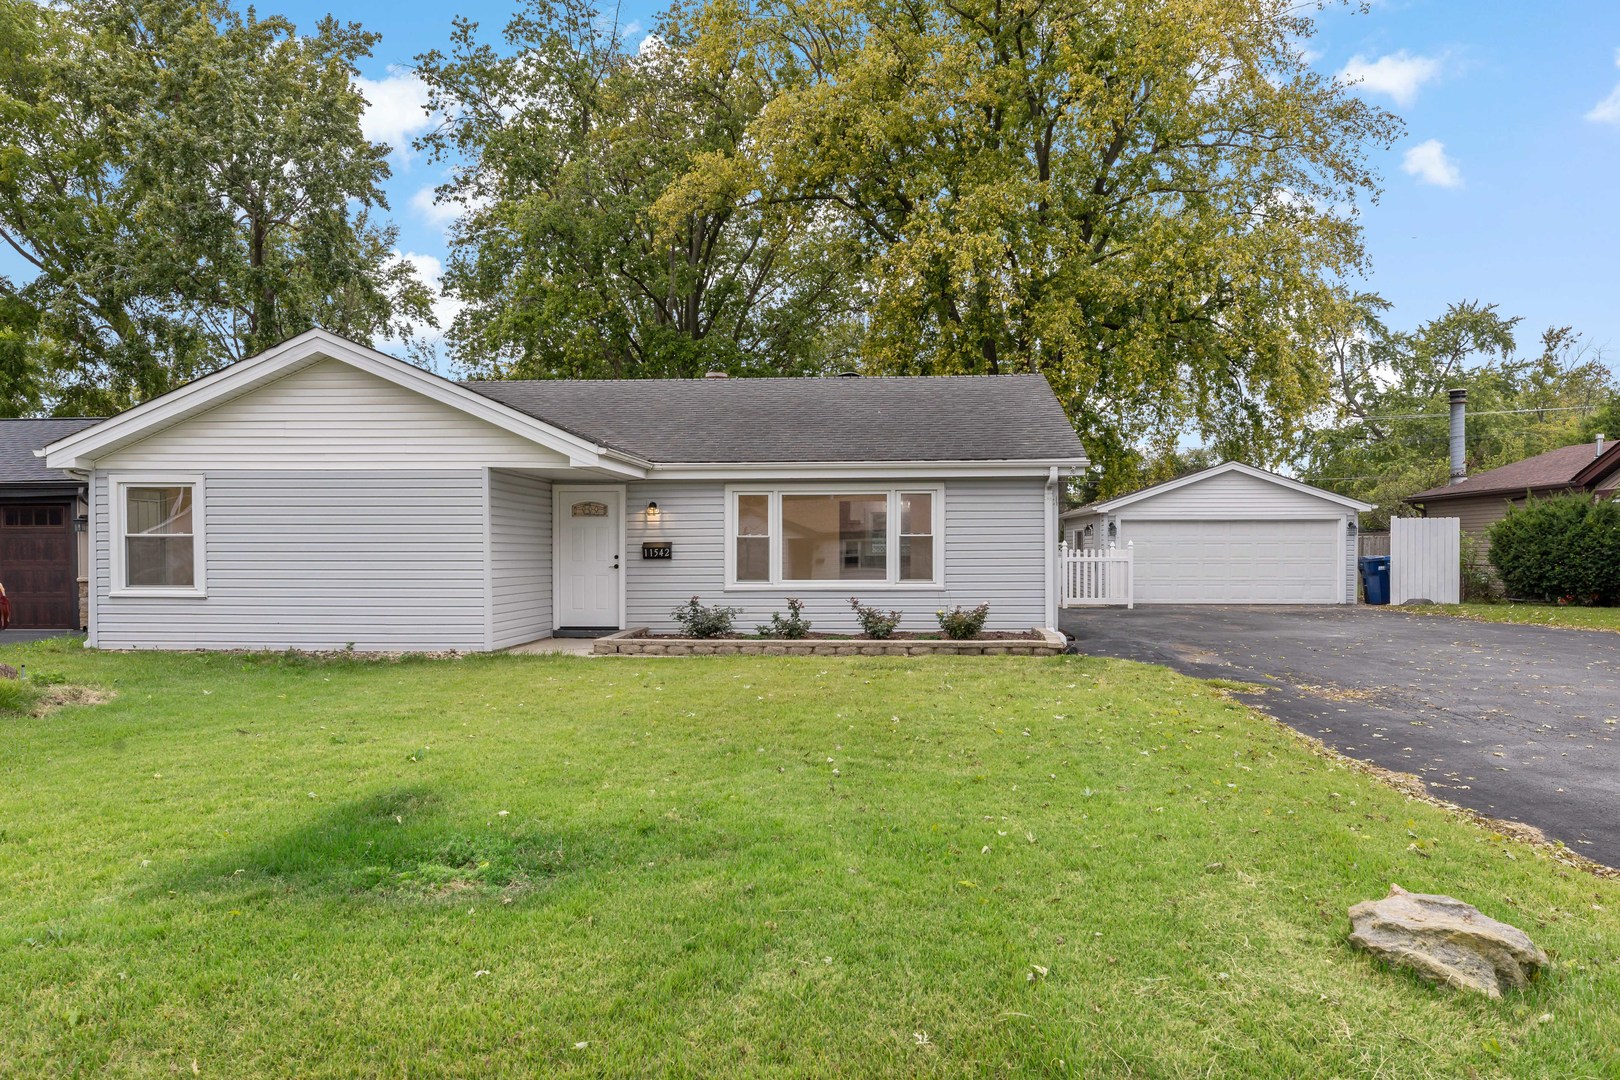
(891, 418)
(20, 438)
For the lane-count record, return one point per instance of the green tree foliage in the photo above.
(1565, 548)
(189, 186)
(1147, 202)
(1390, 437)
(563, 143)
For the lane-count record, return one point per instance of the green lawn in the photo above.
(733, 866)
(1576, 618)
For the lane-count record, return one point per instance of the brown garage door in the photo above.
(39, 565)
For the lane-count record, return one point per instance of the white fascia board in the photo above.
(1218, 470)
(80, 450)
(862, 470)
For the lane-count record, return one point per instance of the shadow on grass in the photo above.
(399, 844)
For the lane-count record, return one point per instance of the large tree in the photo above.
(1388, 432)
(563, 140)
(187, 185)
(1150, 201)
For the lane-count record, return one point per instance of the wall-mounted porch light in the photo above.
(652, 510)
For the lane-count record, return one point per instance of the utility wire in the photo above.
(1484, 412)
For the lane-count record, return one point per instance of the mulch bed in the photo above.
(997, 635)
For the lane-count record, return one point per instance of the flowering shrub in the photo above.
(874, 623)
(699, 621)
(961, 624)
(792, 625)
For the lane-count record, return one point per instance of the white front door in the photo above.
(589, 525)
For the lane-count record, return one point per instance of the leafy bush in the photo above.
(1478, 586)
(699, 621)
(793, 625)
(961, 624)
(1565, 549)
(874, 623)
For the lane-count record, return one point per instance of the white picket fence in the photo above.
(1098, 577)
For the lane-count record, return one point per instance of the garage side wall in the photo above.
(386, 560)
(996, 544)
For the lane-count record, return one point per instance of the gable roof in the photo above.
(886, 418)
(1110, 505)
(80, 450)
(19, 439)
(1574, 467)
(628, 425)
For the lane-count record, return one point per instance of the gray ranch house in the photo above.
(323, 494)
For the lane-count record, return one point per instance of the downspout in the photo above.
(1051, 547)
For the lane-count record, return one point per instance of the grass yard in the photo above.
(1574, 618)
(271, 866)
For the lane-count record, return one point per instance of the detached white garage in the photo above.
(1232, 534)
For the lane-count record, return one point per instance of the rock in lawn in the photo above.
(1446, 941)
(7, 671)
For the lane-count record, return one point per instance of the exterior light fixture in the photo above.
(1113, 531)
(652, 510)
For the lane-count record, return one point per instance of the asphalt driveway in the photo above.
(1517, 722)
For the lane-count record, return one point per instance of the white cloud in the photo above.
(1607, 111)
(396, 109)
(1428, 162)
(445, 308)
(1398, 75)
(441, 214)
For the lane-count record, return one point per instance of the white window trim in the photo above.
(115, 532)
(892, 490)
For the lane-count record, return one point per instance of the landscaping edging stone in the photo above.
(631, 643)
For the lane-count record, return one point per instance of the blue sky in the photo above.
(1503, 189)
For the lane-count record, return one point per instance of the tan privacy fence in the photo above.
(1425, 560)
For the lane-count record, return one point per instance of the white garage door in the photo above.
(1237, 562)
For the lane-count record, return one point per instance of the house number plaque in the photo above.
(662, 550)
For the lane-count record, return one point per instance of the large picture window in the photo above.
(882, 536)
(158, 537)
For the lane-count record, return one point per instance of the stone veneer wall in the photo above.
(632, 643)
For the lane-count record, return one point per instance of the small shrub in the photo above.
(961, 624)
(1564, 549)
(1478, 586)
(699, 621)
(792, 626)
(874, 623)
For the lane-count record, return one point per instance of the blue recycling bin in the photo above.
(1375, 578)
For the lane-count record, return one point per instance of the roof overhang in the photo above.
(80, 451)
(1109, 506)
(862, 470)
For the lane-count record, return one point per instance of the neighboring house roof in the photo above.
(1576, 467)
(1108, 506)
(20, 438)
(888, 418)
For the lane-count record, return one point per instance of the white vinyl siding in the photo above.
(994, 544)
(520, 558)
(328, 415)
(385, 560)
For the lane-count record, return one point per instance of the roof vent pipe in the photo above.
(1459, 421)
(1600, 439)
